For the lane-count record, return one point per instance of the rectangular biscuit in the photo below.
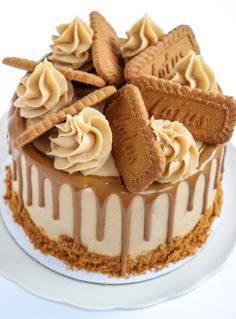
(138, 155)
(210, 118)
(69, 73)
(161, 58)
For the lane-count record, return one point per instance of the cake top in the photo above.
(148, 102)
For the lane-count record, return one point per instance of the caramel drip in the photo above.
(191, 186)
(219, 165)
(77, 219)
(14, 170)
(28, 184)
(206, 192)
(20, 181)
(148, 208)
(171, 214)
(55, 200)
(41, 198)
(101, 208)
(126, 219)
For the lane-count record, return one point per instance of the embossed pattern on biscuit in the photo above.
(70, 74)
(106, 52)
(46, 124)
(210, 118)
(159, 60)
(138, 155)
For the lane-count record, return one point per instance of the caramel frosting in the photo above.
(71, 46)
(43, 92)
(142, 34)
(179, 148)
(83, 143)
(192, 71)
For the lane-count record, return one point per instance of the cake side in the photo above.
(178, 248)
(99, 214)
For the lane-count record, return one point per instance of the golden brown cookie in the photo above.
(160, 59)
(210, 118)
(138, 155)
(46, 124)
(106, 53)
(70, 74)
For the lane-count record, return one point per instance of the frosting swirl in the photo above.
(142, 34)
(43, 92)
(83, 143)
(71, 46)
(179, 148)
(191, 70)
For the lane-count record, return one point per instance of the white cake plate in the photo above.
(19, 267)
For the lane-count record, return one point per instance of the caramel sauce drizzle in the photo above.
(171, 214)
(101, 208)
(20, 181)
(220, 167)
(103, 187)
(125, 236)
(191, 187)
(41, 198)
(28, 184)
(77, 219)
(55, 200)
(148, 204)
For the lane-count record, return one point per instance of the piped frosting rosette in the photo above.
(72, 46)
(82, 143)
(143, 33)
(180, 150)
(195, 73)
(43, 92)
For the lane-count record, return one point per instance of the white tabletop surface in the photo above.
(26, 27)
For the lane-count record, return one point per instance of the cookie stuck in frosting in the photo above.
(143, 33)
(43, 92)
(72, 46)
(83, 142)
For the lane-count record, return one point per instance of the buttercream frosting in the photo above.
(191, 70)
(82, 143)
(180, 150)
(72, 46)
(43, 92)
(142, 34)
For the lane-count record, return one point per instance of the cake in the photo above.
(117, 147)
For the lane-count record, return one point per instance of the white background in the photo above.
(25, 31)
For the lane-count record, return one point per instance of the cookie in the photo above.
(106, 52)
(46, 124)
(70, 74)
(210, 118)
(160, 59)
(138, 155)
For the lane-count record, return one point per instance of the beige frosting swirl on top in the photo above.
(43, 92)
(191, 70)
(142, 34)
(179, 148)
(71, 46)
(83, 143)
